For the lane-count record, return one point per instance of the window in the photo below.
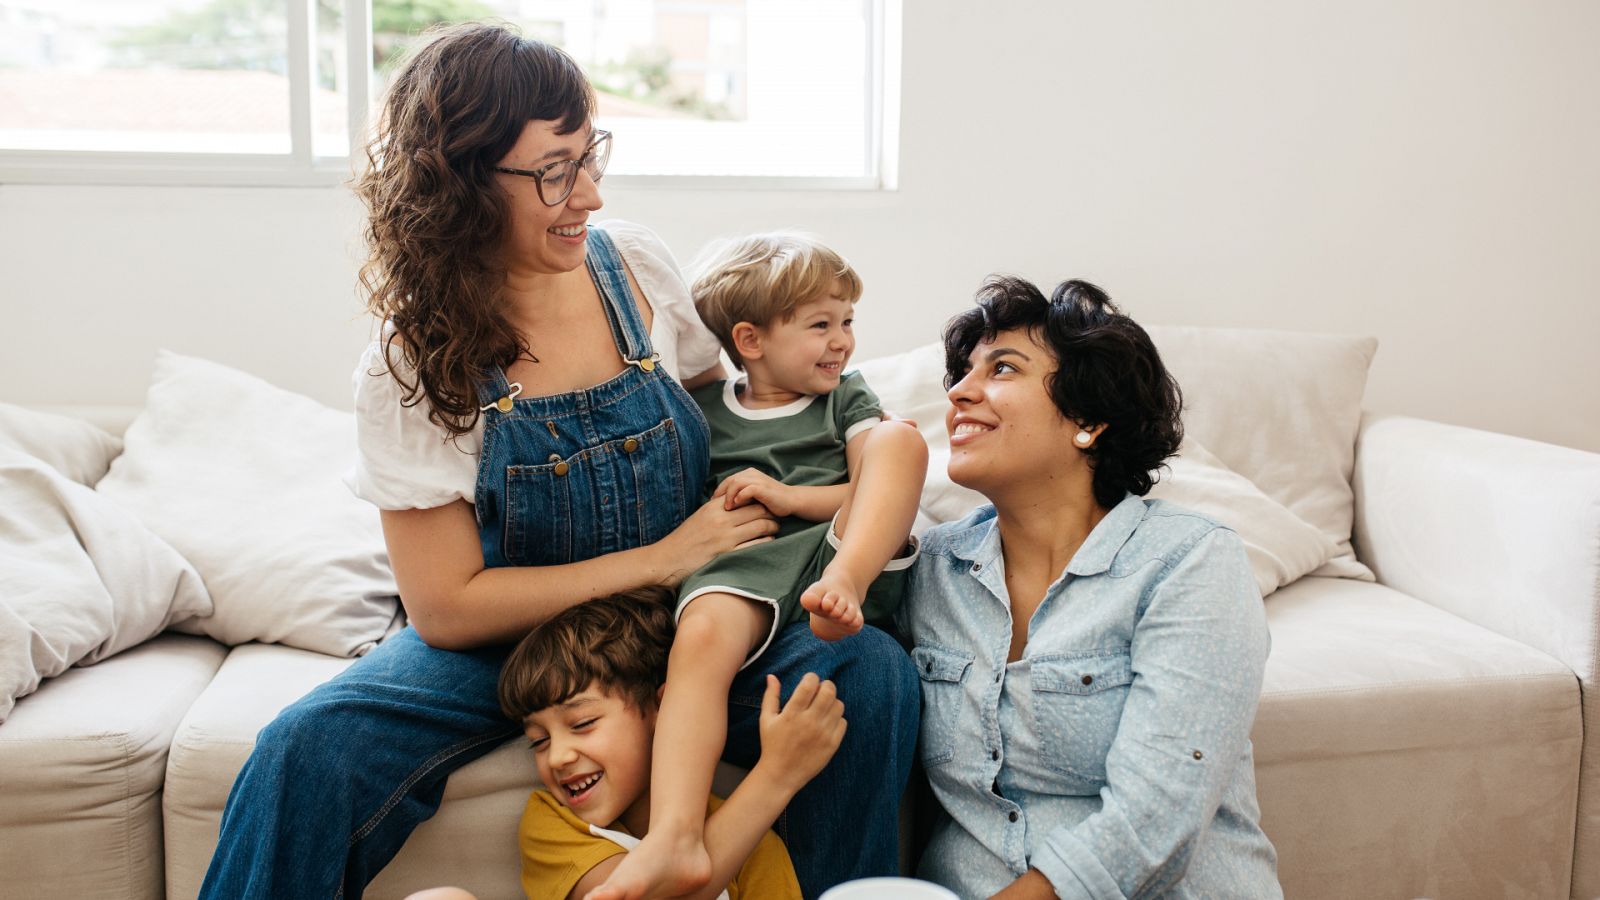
(741, 92)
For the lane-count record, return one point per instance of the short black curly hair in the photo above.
(1107, 372)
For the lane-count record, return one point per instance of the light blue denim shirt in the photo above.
(1114, 756)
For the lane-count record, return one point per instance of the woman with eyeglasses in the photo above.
(523, 428)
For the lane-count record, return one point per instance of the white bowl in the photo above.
(888, 889)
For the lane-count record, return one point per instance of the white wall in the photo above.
(1425, 171)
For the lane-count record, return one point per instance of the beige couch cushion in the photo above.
(472, 842)
(1282, 409)
(1404, 752)
(81, 767)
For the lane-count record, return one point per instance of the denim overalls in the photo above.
(340, 778)
(578, 475)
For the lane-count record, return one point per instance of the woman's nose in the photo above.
(963, 391)
(586, 192)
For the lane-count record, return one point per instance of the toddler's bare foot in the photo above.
(661, 866)
(835, 607)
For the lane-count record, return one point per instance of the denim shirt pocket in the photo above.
(1077, 707)
(942, 671)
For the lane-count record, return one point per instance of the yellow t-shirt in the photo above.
(558, 849)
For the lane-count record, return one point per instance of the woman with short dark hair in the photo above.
(1090, 660)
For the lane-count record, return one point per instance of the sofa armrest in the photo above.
(1501, 531)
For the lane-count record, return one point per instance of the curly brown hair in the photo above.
(619, 642)
(436, 218)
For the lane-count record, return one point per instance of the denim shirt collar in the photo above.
(980, 543)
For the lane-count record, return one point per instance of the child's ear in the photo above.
(747, 340)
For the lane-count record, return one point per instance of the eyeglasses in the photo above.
(556, 181)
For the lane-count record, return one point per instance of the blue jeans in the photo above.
(339, 780)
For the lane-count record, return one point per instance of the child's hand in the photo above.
(798, 742)
(755, 486)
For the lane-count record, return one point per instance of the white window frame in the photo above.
(300, 168)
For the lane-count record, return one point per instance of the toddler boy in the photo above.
(808, 442)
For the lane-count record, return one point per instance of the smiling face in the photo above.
(1005, 430)
(593, 754)
(540, 239)
(806, 353)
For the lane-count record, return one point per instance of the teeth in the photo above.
(569, 231)
(970, 428)
(579, 787)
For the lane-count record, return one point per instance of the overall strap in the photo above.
(493, 386)
(610, 276)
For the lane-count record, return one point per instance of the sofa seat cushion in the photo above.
(1404, 752)
(81, 767)
(472, 842)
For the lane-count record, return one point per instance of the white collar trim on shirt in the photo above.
(730, 398)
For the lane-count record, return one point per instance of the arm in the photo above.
(1198, 652)
(717, 372)
(795, 745)
(456, 603)
(1031, 886)
(814, 503)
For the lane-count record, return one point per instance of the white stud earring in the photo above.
(1083, 438)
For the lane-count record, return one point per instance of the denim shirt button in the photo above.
(977, 567)
(1012, 815)
(1088, 679)
(995, 755)
(1198, 755)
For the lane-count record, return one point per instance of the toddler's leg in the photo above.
(715, 634)
(872, 526)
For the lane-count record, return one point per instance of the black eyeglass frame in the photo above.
(538, 175)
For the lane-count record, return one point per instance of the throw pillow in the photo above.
(1282, 409)
(244, 479)
(73, 447)
(80, 577)
(1282, 547)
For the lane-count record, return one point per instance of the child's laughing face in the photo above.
(593, 754)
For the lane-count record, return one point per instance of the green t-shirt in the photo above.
(801, 443)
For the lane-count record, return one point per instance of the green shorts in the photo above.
(779, 571)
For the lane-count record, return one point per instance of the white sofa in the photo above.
(1420, 735)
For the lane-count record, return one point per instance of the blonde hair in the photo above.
(762, 278)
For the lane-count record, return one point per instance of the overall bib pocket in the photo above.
(660, 499)
(1077, 707)
(942, 671)
(538, 521)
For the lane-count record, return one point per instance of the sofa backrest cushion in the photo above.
(80, 577)
(1282, 409)
(1270, 418)
(244, 479)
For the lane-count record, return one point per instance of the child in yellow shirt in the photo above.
(586, 686)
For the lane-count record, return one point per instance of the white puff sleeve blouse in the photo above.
(405, 461)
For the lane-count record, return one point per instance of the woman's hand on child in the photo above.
(754, 486)
(709, 531)
(797, 742)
